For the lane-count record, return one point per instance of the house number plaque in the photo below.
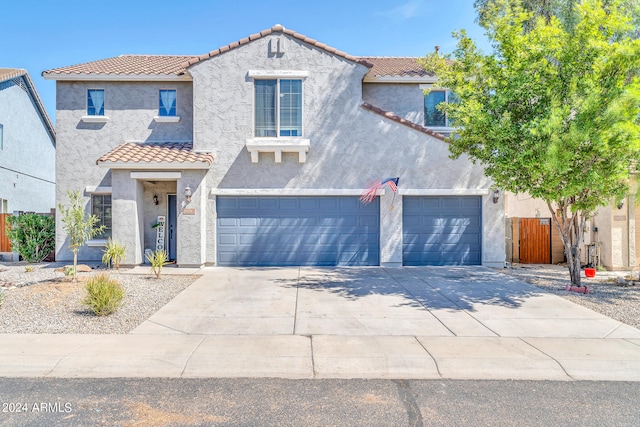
(189, 211)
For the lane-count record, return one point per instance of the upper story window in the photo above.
(278, 107)
(432, 116)
(167, 103)
(101, 207)
(95, 102)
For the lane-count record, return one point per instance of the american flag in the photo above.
(371, 192)
(392, 183)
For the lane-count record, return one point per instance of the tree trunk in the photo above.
(75, 263)
(571, 231)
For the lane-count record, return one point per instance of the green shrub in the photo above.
(113, 254)
(157, 259)
(28, 268)
(69, 271)
(104, 295)
(32, 236)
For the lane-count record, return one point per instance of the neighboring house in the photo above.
(256, 154)
(27, 146)
(611, 238)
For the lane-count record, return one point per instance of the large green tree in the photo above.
(554, 111)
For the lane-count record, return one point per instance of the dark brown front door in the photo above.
(535, 240)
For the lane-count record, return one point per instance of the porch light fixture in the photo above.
(496, 195)
(155, 200)
(621, 204)
(187, 194)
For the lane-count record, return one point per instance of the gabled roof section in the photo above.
(169, 155)
(397, 69)
(16, 73)
(398, 119)
(279, 29)
(125, 67)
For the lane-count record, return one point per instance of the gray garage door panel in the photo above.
(442, 230)
(279, 231)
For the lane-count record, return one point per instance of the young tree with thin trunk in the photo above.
(78, 226)
(553, 112)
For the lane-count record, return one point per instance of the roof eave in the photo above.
(155, 165)
(116, 77)
(401, 79)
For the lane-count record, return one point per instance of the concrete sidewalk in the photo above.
(422, 322)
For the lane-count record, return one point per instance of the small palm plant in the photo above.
(113, 254)
(157, 259)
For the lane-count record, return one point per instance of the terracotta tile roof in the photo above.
(12, 73)
(155, 152)
(278, 29)
(389, 66)
(400, 120)
(129, 65)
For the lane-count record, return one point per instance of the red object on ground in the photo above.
(590, 272)
(579, 289)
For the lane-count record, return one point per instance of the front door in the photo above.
(172, 225)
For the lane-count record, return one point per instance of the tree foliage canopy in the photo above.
(555, 110)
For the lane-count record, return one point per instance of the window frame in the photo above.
(175, 103)
(278, 113)
(447, 125)
(104, 103)
(108, 230)
(1, 137)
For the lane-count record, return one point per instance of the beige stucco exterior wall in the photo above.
(130, 107)
(349, 146)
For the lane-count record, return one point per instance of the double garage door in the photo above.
(280, 231)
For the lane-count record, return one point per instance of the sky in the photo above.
(41, 35)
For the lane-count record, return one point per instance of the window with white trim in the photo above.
(168, 101)
(101, 207)
(278, 107)
(433, 117)
(95, 102)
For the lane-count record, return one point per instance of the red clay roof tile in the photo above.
(155, 152)
(395, 66)
(398, 119)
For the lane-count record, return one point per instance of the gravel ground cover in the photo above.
(609, 293)
(46, 301)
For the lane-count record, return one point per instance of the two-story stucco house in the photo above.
(256, 153)
(27, 146)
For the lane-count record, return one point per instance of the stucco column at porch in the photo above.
(127, 214)
(390, 230)
(192, 219)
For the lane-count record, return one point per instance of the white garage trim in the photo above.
(289, 192)
(443, 191)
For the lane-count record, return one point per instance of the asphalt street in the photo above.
(280, 402)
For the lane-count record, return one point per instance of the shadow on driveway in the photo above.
(454, 288)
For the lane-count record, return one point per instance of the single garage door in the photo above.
(442, 230)
(279, 231)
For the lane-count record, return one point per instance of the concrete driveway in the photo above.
(375, 301)
(424, 322)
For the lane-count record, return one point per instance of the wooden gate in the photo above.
(535, 240)
(5, 245)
